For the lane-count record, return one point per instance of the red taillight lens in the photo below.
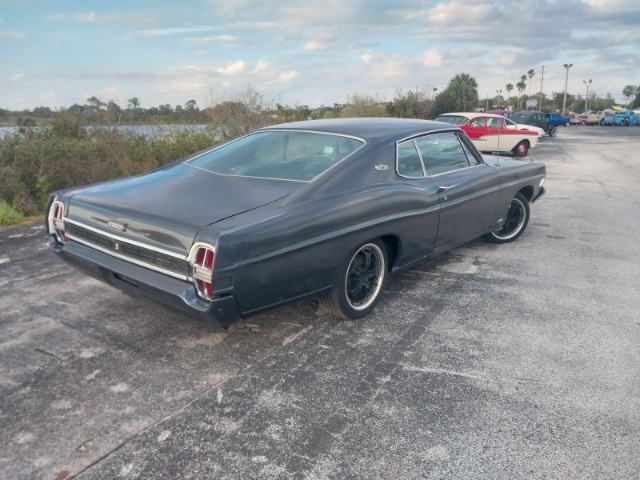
(202, 270)
(56, 222)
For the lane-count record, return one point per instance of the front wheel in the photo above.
(521, 149)
(553, 131)
(515, 222)
(359, 282)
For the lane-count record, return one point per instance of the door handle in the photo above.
(445, 188)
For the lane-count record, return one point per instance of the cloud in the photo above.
(507, 58)
(162, 32)
(367, 57)
(13, 35)
(450, 13)
(18, 77)
(288, 76)
(315, 46)
(233, 69)
(260, 67)
(432, 58)
(207, 40)
(93, 17)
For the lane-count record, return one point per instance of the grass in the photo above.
(9, 215)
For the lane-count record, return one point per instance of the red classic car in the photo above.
(489, 133)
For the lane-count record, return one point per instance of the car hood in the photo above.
(167, 207)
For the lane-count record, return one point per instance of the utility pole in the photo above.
(541, 80)
(566, 80)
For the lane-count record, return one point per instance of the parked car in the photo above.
(557, 119)
(523, 126)
(626, 118)
(579, 120)
(595, 118)
(490, 133)
(325, 208)
(538, 119)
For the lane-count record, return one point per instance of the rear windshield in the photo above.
(455, 119)
(286, 155)
(519, 117)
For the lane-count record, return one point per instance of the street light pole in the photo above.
(586, 104)
(566, 80)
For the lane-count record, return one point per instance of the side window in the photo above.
(469, 150)
(442, 153)
(477, 122)
(494, 123)
(408, 162)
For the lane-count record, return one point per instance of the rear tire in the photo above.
(553, 131)
(516, 221)
(359, 282)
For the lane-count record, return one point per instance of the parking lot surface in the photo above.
(517, 361)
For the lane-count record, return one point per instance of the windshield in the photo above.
(286, 155)
(455, 119)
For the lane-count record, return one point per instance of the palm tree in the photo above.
(521, 86)
(531, 73)
(509, 88)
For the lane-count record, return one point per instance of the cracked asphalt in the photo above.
(518, 361)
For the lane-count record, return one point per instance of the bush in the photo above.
(37, 162)
(9, 215)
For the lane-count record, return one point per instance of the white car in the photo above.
(491, 133)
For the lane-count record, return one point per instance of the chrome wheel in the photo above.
(358, 283)
(364, 276)
(515, 221)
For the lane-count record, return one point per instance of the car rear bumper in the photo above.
(179, 295)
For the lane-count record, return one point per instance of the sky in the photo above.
(56, 53)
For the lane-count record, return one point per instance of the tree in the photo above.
(521, 86)
(509, 89)
(233, 115)
(460, 95)
(629, 91)
(636, 101)
(531, 73)
(365, 106)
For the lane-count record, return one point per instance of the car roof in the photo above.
(369, 129)
(471, 115)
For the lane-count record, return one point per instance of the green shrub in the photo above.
(35, 163)
(9, 215)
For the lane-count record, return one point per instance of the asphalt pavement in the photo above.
(517, 361)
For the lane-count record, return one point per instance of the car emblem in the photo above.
(117, 226)
(381, 168)
(116, 246)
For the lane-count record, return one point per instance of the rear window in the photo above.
(455, 119)
(285, 155)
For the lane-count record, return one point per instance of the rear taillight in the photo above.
(56, 222)
(201, 260)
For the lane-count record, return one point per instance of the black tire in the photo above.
(553, 131)
(358, 283)
(602, 122)
(516, 221)
(521, 149)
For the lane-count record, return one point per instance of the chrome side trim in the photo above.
(129, 259)
(126, 240)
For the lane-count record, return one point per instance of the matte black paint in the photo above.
(276, 241)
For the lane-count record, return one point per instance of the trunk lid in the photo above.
(167, 207)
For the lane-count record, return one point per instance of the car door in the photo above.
(477, 131)
(467, 187)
